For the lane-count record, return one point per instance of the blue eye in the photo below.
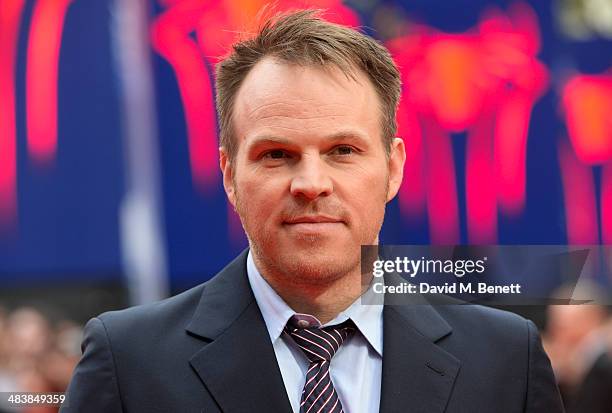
(344, 150)
(275, 154)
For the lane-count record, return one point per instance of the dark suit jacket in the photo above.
(208, 350)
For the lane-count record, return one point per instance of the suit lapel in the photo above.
(417, 375)
(238, 365)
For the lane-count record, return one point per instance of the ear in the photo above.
(228, 179)
(397, 158)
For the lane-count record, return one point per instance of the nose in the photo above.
(311, 179)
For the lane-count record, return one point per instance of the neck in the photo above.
(324, 300)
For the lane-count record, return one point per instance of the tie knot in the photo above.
(320, 344)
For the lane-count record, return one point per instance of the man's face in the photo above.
(310, 179)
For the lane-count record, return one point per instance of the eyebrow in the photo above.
(348, 135)
(336, 137)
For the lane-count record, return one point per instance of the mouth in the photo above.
(314, 226)
(313, 220)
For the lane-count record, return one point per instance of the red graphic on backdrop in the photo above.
(485, 82)
(587, 105)
(41, 91)
(10, 16)
(41, 78)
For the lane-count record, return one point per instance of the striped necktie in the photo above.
(319, 345)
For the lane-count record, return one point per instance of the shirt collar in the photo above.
(276, 313)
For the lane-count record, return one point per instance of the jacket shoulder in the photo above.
(488, 327)
(479, 316)
(175, 311)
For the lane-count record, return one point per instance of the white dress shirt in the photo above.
(356, 367)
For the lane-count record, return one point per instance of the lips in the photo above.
(310, 228)
(313, 219)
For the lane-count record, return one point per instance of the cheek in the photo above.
(371, 212)
(258, 197)
(366, 197)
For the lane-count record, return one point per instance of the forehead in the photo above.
(294, 99)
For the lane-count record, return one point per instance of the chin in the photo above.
(317, 267)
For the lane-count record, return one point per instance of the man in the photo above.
(579, 338)
(309, 159)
